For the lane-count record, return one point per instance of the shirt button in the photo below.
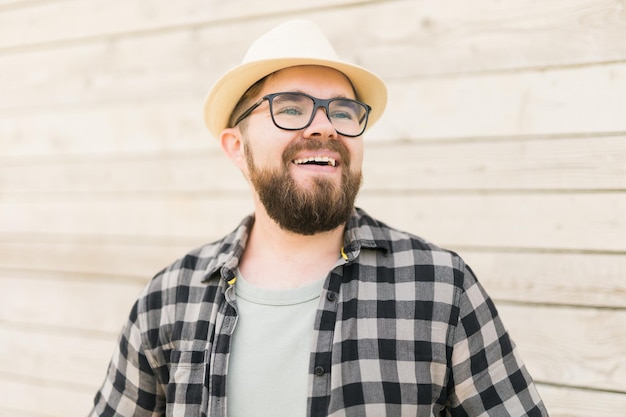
(319, 371)
(331, 296)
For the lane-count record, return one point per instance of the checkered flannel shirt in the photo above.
(403, 328)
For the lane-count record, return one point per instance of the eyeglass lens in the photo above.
(295, 111)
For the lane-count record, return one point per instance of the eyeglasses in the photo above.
(296, 111)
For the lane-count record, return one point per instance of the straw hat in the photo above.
(297, 42)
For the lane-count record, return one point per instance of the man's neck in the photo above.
(277, 258)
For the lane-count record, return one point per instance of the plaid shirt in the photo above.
(402, 328)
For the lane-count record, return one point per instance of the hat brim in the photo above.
(226, 92)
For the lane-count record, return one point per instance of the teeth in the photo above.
(322, 159)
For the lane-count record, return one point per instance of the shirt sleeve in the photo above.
(131, 388)
(488, 377)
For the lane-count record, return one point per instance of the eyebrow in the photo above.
(333, 96)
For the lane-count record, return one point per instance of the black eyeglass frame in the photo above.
(317, 103)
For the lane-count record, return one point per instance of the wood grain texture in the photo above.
(546, 102)
(540, 164)
(561, 102)
(124, 258)
(533, 221)
(576, 279)
(501, 165)
(504, 139)
(28, 398)
(581, 347)
(589, 279)
(568, 402)
(102, 18)
(97, 307)
(399, 38)
(61, 358)
(545, 221)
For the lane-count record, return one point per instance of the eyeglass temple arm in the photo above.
(247, 112)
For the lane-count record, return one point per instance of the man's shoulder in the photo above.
(380, 233)
(201, 266)
(402, 244)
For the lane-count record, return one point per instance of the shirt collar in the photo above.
(362, 231)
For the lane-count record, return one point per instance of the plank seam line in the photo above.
(49, 329)
(64, 275)
(536, 250)
(488, 191)
(558, 306)
(191, 24)
(32, 380)
(171, 194)
(580, 387)
(453, 140)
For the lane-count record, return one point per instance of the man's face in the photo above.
(307, 179)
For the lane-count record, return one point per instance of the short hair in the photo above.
(245, 100)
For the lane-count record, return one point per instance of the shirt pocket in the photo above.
(187, 378)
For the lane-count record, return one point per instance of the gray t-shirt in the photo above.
(269, 359)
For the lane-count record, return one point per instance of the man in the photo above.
(311, 307)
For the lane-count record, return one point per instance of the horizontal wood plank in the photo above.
(590, 163)
(62, 357)
(25, 398)
(575, 347)
(202, 170)
(135, 116)
(447, 37)
(551, 278)
(588, 221)
(517, 276)
(8, 412)
(150, 126)
(10, 4)
(148, 218)
(104, 19)
(98, 308)
(553, 102)
(91, 257)
(546, 221)
(399, 38)
(570, 402)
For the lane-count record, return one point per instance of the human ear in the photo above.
(233, 146)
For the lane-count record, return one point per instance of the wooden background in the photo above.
(504, 139)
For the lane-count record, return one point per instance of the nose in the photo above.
(320, 126)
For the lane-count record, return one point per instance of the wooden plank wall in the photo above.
(504, 139)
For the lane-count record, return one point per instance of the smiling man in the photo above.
(307, 183)
(311, 307)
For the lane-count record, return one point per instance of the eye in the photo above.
(290, 105)
(288, 110)
(344, 115)
(345, 112)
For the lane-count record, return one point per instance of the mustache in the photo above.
(296, 147)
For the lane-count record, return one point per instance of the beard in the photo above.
(322, 207)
